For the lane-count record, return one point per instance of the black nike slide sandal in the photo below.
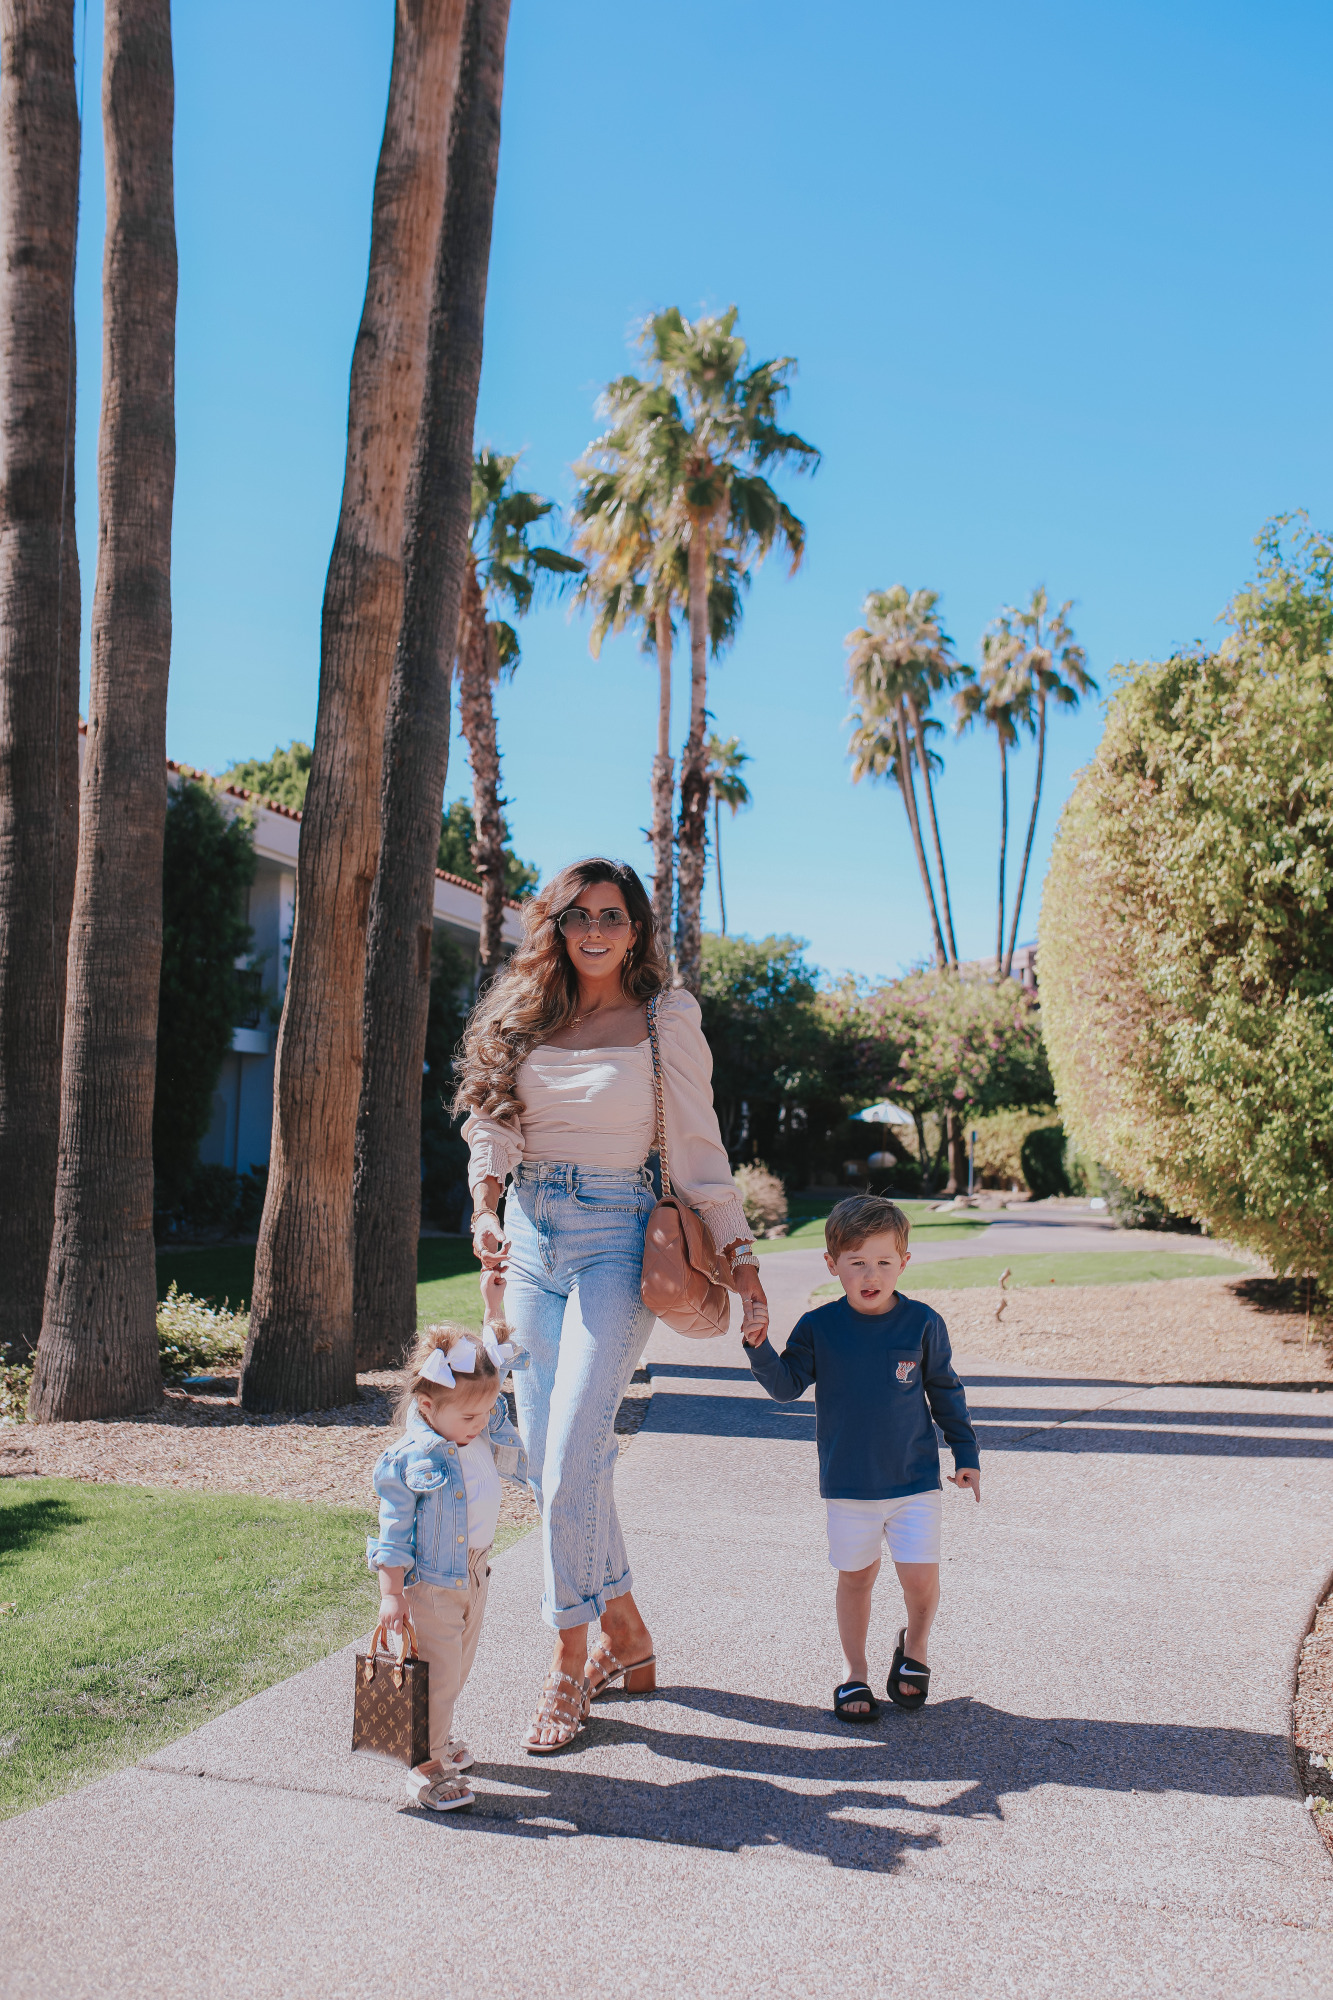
(854, 1691)
(904, 1670)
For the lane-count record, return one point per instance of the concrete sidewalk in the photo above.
(1099, 1798)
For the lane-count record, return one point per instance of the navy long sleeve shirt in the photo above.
(880, 1379)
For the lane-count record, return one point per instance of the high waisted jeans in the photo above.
(575, 1259)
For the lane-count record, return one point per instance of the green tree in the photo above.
(1050, 665)
(713, 436)
(282, 777)
(726, 761)
(758, 998)
(444, 1156)
(505, 569)
(897, 661)
(208, 863)
(1187, 922)
(946, 1045)
(458, 835)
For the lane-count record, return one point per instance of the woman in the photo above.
(557, 1077)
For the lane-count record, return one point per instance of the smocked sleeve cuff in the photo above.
(494, 1149)
(726, 1223)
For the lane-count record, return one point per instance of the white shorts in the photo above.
(858, 1528)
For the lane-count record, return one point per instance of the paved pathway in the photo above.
(1098, 1800)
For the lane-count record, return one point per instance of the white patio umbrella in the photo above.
(885, 1113)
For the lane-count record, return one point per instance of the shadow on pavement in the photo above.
(1037, 1429)
(827, 1797)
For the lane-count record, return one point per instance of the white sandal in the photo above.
(565, 1713)
(456, 1752)
(443, 1794)
(639, 1677)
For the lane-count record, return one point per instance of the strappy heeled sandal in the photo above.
(639, 1677)
(565, 1713)
(904, 1670)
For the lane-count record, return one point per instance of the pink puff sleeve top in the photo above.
(594, 1108)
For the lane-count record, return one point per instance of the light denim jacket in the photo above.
(423, 1501)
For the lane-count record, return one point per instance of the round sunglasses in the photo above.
(577, 923)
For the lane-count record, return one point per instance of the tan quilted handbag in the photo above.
(685, 1275)
(391, 1708)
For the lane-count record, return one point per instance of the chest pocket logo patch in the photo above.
(905, 1370)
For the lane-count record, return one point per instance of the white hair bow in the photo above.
(501, 1352)
(462, 1357)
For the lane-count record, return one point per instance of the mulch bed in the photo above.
(1312, 1718)
(207, 1443)
(1250, 1330)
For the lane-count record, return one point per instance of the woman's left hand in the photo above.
(754, 1306)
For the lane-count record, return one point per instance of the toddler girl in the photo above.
(439, 1495)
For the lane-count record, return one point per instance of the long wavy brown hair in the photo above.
(537, 994)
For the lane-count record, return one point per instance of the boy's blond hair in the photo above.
(444, 1337)
(863, 1215)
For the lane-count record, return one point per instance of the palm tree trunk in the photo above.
(39, 629)
(1032, 828)
(923, 759)
(98, 1354)
(1004, 842)
(416, 731)
(476, 715)
(922, 1154)
(908, 790)
(664, 785)
(300, 1351)
(957, 1139)
(692, 829)
(717, 857)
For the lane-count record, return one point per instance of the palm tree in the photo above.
(1051, 664)
(638, 573)
(387, 1189)
(878, 748)
(716, 436)
(635, 575)
(902, 658)
(39, 629)
(728, 788)
(503, 567)
(300, 1354)
(97, 1355)
(1002, 703)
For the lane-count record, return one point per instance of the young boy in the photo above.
(882, 1369)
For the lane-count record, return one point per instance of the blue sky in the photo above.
(1054, 276)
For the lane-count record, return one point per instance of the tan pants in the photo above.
(448, 1625)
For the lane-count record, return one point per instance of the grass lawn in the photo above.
(1065, 1267)
(132, 1615)
(446, 1276)
(807, 1225)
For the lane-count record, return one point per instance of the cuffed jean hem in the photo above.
(590, 1610)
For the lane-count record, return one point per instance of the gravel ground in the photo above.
(1185, 1330)
(209, 1444)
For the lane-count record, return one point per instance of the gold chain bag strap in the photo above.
(685, 1275)
(391, 1708)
